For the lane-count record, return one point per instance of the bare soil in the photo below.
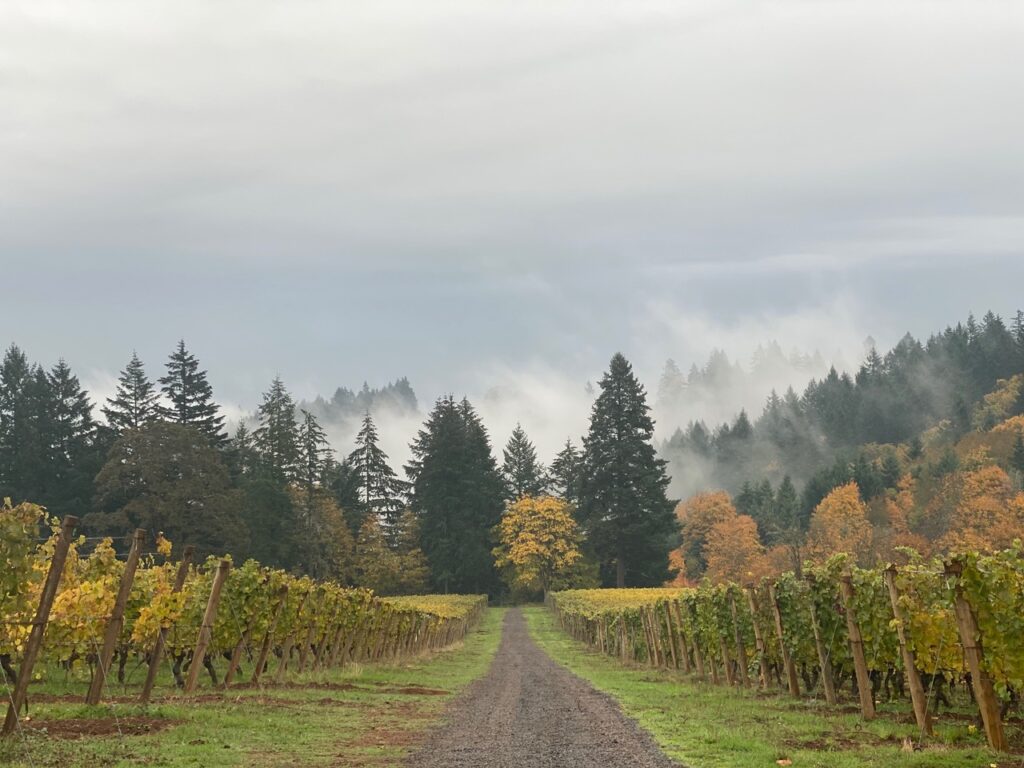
(529, 712)
(79, 727)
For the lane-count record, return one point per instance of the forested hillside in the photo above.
(922, 448)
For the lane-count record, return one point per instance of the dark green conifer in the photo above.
(191, 396)
(623, 507)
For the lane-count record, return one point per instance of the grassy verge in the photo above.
(371, 715)
(705, 726)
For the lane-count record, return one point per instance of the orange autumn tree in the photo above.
(899, 506)
(734, 552)
(988, 515)
(840, 524)
(697, 516)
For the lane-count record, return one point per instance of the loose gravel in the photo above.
(529, 712)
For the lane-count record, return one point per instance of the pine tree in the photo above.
(565, 473)
(15, 373)
(136, 401)
(277, 438)
(191, 396)
(314, 452)
(242, 451)
(458, 496)
(72, 432)
(626, 516)
(523, 474)
(381, 493)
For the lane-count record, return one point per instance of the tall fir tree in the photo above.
(523, 474)
(565, 473)
(15, 426)
(380, 492)
(458, 497)
(136, 401)
(74, 460)
(191, 396)
(314, 452)
(627, 518)
(276, 440)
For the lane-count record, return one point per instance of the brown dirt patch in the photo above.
(81, 727)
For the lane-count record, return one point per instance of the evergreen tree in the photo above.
(136, 401)
(458, 497)
(314, 452)
(15, 424)
(167, 477)
(242, 451)
(565, 473)
(380, 493)
(523, 474)
(73, 461)
(191, 396)
(344, 484)
(626, 516)
(277, 438)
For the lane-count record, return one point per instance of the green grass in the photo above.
(354, 716)
(706, 726)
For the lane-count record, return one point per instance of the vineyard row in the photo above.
(916, 628)
(63, 607)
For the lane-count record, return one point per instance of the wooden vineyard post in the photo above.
(655, 656)
(35, 637)
(970, 639)
(161, 635)
(677, 619)
(206, 630)
(698, 654)
(289, 643)
(116, 621)
(917, 694)
(236, 656)
(268, 638)
(762, 651)
(741, 651)
(723, 644)
(860, 666)
(670, 634)
(824, 662)
(787, 659)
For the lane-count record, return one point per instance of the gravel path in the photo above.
(529, 712)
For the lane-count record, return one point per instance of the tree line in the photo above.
(161, 459)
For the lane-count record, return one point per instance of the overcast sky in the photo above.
(476, 194)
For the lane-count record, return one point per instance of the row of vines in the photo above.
(100, 613)
(912, 631)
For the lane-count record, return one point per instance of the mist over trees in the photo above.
(922, 446)
(891, 398)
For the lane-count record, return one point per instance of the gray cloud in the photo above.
(486, 198)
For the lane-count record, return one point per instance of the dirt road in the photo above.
(528, 712)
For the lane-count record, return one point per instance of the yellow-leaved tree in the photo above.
(840, 524)
(538, 542)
